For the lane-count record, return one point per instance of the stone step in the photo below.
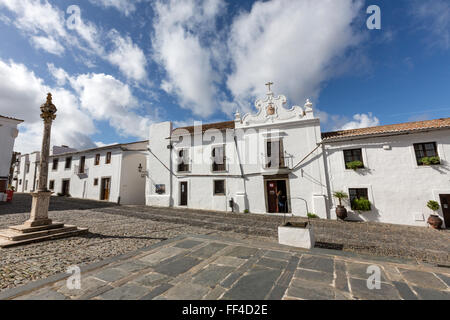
(9, 243)
(24, 229)
(12, 235)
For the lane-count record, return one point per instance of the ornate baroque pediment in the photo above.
(272, 110)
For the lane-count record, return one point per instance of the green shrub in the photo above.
(433, 205)
(428, 161)
(354, 165)
(361, 204)
(246, 211)
(312, 216)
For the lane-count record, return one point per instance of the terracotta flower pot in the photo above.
(435, 222)
(341, 212)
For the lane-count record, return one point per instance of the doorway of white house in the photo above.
(65, 190)
(277, 195)
(183, 193)
(445, 205)
(105, 189)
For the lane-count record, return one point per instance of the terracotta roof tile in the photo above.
(217, 125)
(393, 128)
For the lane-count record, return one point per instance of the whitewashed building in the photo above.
(8, 135)
(255, 157)
(114, 173)
(238, 160)
(392, 176)
(26, 173)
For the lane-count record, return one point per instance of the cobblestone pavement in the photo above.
(116, 230)
(210, 268)
(417, 243)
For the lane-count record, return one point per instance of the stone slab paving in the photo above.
(109, 235)
(116, 230)
(205, 267)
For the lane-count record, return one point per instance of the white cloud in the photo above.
(106, 98)
(296, 44)
(128, 57)
(48, 44)
(434, 17)
(125, 6)
(361, 121)
(43, 22)
(180, 27)
(59, 74)
(22, 93)
(97, 97)
(37, 16)
(45, 25)
(292, 43)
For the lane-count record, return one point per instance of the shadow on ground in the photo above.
(22, 204)
(102, 236)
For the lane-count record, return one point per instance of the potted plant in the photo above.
(428, 161)
(361, 205)
(354, 165)
(341, 211)
(433, 219)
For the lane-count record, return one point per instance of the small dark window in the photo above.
(219, 159)
(426, 151)
(55, 164)
(68, 162)
(96, 182)
(108, 158)
(27, 167)
(353, 156)
(20, 181)
(160, 188)
(97, 159)
(183, 165)
(82, 164)
(51, 185)
(219, 187)
(359, 193)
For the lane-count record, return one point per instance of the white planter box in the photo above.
(296, 236)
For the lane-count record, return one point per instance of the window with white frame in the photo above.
(353, 158)
(358, 194)
(219, 187)
(426, 153)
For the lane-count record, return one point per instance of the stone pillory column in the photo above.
(39, 227)
(41, 198)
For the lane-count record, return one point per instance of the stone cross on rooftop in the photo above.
(269, 84)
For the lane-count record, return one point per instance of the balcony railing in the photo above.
(274, 163)
(78, 170)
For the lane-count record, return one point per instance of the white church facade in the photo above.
(278, 161)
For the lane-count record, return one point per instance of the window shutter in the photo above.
(281, 164)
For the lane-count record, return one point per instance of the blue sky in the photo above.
(126, 64)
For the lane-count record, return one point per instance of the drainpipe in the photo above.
(240, 166)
